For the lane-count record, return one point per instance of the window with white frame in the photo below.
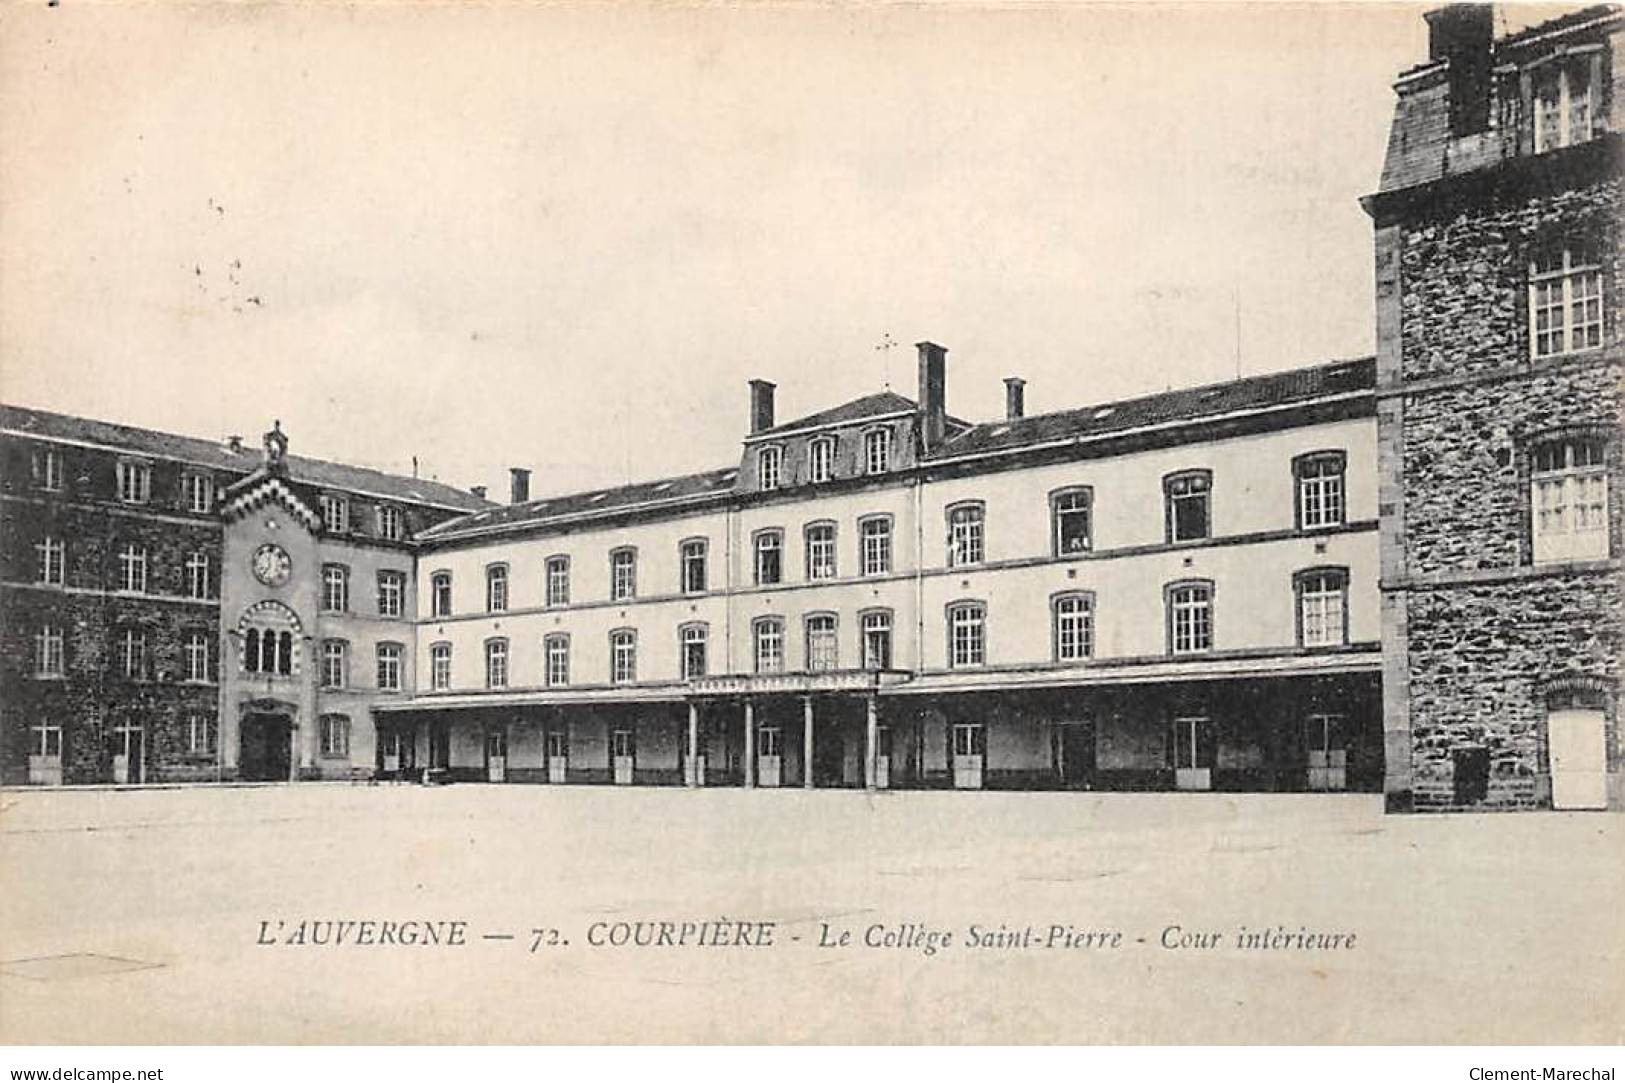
(965, 535)
(1190, 617)
(199, 733)
(48, 469)
(1071, 512)
(335, 513)
(389, 667)
(1074, 627)
(45, 740)
(770, 467)
(1190, 743)
(1565, 298)
(874, 544)
(969, 739)
(440, 667)
(695, 645)
(132, 562)
(335, 735)
(768, 550)
(821, 459)
(692, 561)
(335, 588)
(197, 492)
(820, 539)
(1563, 106)
(196, 653)
(823, 646)
(967, 634)
(623, 574)
(134, 481)
(197, 576)
(48, 651)
(496, 663)
(335, 663)
(877, 639)
(768, 633)
(1569, 493)
(556, 650)
(440, 594)
(390, 523)
(1322, 607)
(1188, 505)
(133, 653)
(391, 593)
(1320, 500)
(558, 581)
(623, 656)
(496, 588)
(52, 554)
(877, 451)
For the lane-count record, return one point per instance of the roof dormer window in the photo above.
(769, 467)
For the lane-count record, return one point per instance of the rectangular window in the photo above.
(45, 740)
(557, 649)
(769, 741)
(496, 588)
(335, 588)
(335, 735)
(391, 594)
(877, 640)
(134, 481)
(197, 493)
(875, 535)
(1565, 300)
(197, 576)
(440, 594)
(1188, 506)
(1322, 603)
(622, 745)
(196, 651)
(48, 469)
(389, 523)
(769, 549)
(1190, 618)
(821, 459)
(496, 663)
(623, 574)
(877, 451)
(1070, 511)
(1191, 744)
(823, 646)
(623, 656)
(821, 551)
(335, 513)
(1562, 105)
(1074, 627)
(769, 463)
(695, 638)
(970, 739)
(389, 667)
(440, 667)
(967, 634)
(965, 535)
(692, 558)
(48, 651)
(52, 560)
(769, 646)
(335, 664)
(199, 734)
(1320, 490)
(132, 561)
(1569, 493)
(558, 581)
(133, 653)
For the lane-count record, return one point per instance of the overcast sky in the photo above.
(565, 237)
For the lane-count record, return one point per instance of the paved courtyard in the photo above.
(134, 917)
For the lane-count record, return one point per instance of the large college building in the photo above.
(1396, 574)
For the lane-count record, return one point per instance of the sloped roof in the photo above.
(212, 453)
(876, 405)
(553, 509)
(1185, 404)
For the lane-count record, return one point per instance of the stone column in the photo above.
(750, 745)
(691, 772)
(871, 739)
(806, 743)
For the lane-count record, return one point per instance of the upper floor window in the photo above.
(48, 651)
(268, 651)
(556, 651)
(691, 557)
(197, 492)
(695, 641)
(335, 588)
(390, 525)
(769, 467)
(965, 536)
(133, 653)
(823, 646)
(1319, 479)
(391, 593)
(1322, 607)
(1074, 627)
(134, 481)
(197, 576)
(1189, 514)
(820, 538)
(496, 663)
(1071, 512)
(335, 513)
(440, 667)
(48, 469)
(196, 654)
(132, 561)
(874, 544)
(1569, 492)
(821, 459)
(1190, 617)
(558, 581)
(623, 574)
(389, 667)
(1565, 298)
(768, 633)
(53, 559)
(335, 664)
(623, 656)
(877, 451)
(440, 594)
(967, 634)
(768, 549)
(496, 588)
(1563, 106)
(877, 639)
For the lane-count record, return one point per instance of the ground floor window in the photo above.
(970, 739)
(558, 745)
(622, 745)
(47, 740)
(1191, 744)
(769, 741)
(199, 734)
(335, 735)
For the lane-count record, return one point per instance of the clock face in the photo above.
(271, 565)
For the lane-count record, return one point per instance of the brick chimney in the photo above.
(1015, 398)
(477, 490)
(933, 398)
(761, 406)
(1463, 34)
(519, 489)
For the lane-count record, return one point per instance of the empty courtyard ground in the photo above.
(139, 917)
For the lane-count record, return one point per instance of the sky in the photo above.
(565, 236)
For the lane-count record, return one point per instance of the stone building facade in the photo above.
(1499, 364)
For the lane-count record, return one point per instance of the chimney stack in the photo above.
(1015, 398)
(761, 406)
(477, 490)
(933, 399)
(1463, 35)
(519, 491)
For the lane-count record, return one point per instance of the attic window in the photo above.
(596, 497)
(1211, 393)
(1104, 412)
(662, 487)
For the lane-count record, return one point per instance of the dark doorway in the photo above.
(1472, 774)
(1075, 754)
(829, 757)
(439, 746)
(265, 748)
